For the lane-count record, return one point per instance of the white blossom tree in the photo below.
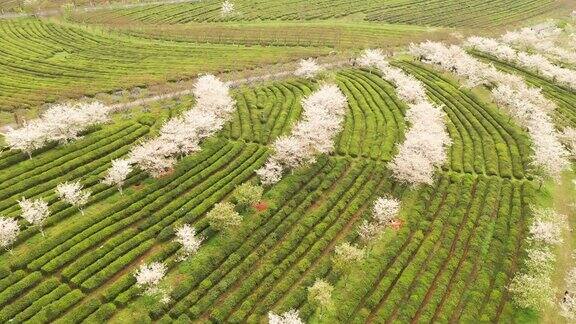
(270, 173)
(320, 294)
(547, 226)
(290, 317)
(9, 230)
(369, 231)
(346, 256)
(34, 211)
(534, 290)
(372, 58)
(427, 139)
(183, 135)
(568, 137)
(59, 123)
(322, 118)
(118, 173)
(72, 193)
(308, 68)
(223, 217)
(535, 62)
(542, 38)
(227, 8)
(525, 104)
(149, 276)
(190, 241)
(385, 210)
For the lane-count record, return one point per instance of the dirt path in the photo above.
(564, 200)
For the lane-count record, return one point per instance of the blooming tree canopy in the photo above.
(533, 288)
(547, 226)
(320, 293)
(149, 276)
(34, 211)
(542, 38)
(385, 210)
(182, 135)
(427, 139)
(227, 7)
(290, 317)
(59, 123)
(72, 193)
(526, 105)
(190, 241)
(308, 68)
(568, 303)
(118, 173)
(223, 217)
(9, 231)
(345, 256)
(535, 62)
(322, 118)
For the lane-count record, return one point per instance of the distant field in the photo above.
(17, 5)
(331, 33)
(44, 61)
(449, 13)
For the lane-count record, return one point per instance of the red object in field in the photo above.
(261, 206)
(397, 224)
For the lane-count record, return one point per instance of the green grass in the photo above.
(449, 13)
(46, 61)
(339, 34)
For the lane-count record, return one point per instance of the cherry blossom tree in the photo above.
(308, 68)
(227, 7)
(372, 58)
(247, 194)
(385, 210)
(542, 38)
(118, 173)
(34, 211)
(532, 290)
(182, 135)
(290, 317)
(322, 118)
(72, 193)
(149, 276)
(346, 256)
(568, 137)
(9, 231)
(427, 139)
(270, 173)
(535, 62)
(526, 105)
(59, 123)
(320, 294)
(223, 217)
(190, 241)
(369, 231)
(547, 226)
